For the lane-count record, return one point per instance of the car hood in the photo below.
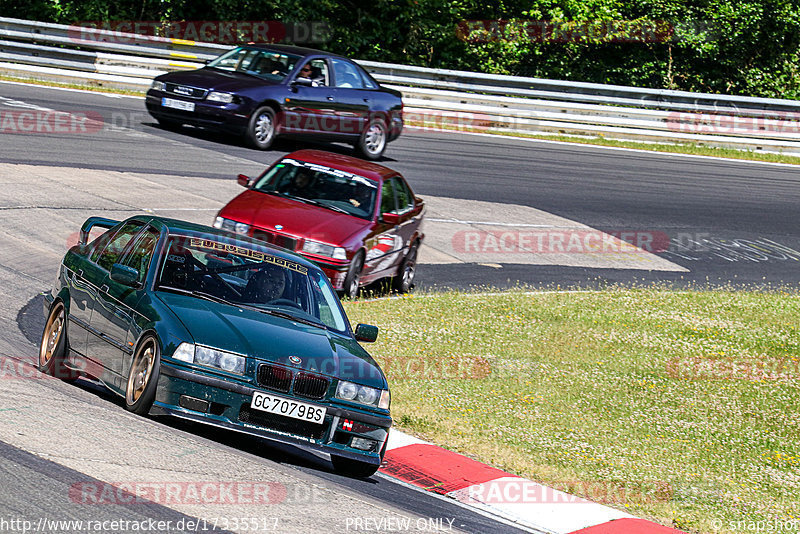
(298, 219)
(275, 339)
(215, 80)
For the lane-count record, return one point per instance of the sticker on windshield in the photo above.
(209, 244)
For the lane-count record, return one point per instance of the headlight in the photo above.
(362, 394)
(158, 86)
(225, 98)
(323, 249)
(231, 226)
(227, 361)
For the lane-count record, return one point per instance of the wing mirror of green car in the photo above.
(366, 333)
(124, 275)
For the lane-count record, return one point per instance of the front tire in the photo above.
(143, 376)
(353, 278)
(372, 142)
(404, 279)
(53, 348)
(261, 128)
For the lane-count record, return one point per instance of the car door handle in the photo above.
(330, 98)
(366, 100)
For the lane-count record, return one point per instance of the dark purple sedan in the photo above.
(265, 91)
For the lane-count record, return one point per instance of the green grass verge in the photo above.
(82, 87)
(677, 406)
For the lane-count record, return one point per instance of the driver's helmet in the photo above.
(265, 285)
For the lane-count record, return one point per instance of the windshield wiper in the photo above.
(199, 294)
(320, 204)
(285, 315)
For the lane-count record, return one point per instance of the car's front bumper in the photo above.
(231, 118)
(226, 404)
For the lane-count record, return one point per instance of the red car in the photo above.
(359, 221)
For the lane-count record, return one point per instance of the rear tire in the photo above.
(261, 128)
(372, 142)
(404, 279)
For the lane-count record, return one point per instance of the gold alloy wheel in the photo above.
(52, 335)
(141, 370)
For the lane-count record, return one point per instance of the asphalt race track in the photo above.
(717, 223)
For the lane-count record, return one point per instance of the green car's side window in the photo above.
(141, 252)
(113, 250)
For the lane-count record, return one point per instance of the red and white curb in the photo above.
(502, 494)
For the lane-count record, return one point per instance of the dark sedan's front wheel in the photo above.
(261, 128)
(143, 377)
(372, 142)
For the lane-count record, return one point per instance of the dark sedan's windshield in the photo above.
(268, 64)
(225, 271)
(322, 186)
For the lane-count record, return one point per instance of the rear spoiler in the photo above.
(90, 223)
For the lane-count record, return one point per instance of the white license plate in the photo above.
(177, 104)
(288, 407)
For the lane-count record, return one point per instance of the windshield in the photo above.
(267, 64)
(232, 272)
(316, 184)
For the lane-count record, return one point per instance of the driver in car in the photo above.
(265, 285)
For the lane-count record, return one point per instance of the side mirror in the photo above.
(243, 180)
(303, 81)
(390, 218)
(125, 275)
(366, 333)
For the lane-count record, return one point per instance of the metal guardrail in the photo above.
(433, 98)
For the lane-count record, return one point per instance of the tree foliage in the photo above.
(748, 47)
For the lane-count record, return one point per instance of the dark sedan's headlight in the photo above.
(227, 361)
(158, 86)
(224, 98)
(363, 394)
